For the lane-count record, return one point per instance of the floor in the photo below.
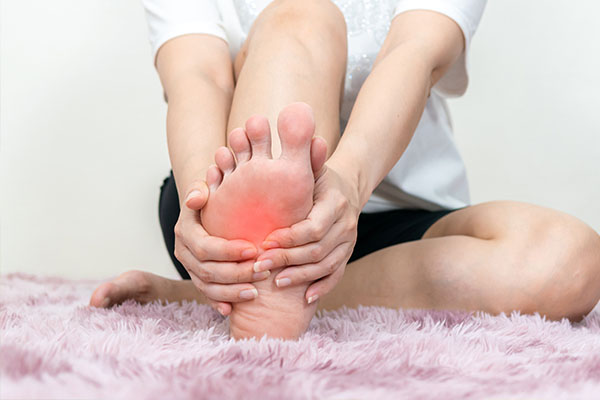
(52, 345)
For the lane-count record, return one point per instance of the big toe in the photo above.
(134, 285)
(105, 295)
(296, 126)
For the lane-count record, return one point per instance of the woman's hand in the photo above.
(221, 269)
(318, 247)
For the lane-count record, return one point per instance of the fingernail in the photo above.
(193, 193)
(259, 276)
(262, 265)
(313, 298)
(283, 282)
(249, 253)
(269, 244)
(249, 294)
(105, 302)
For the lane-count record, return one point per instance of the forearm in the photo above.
(196, 126)
(385, 115)
(197, 77)
(420, 47)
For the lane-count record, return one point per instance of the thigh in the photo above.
(426, 273)
(496, 257)
(502, 220)
(295, 51)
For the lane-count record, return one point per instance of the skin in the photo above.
(495, 257)
(252, 195)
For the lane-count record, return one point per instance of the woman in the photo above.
(379, 72)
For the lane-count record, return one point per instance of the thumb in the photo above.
(197, 195)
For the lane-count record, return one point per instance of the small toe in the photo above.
(238, 140)
(214, 177)
(318, 153)
(259, 134)
(296, 127)
(224, 160)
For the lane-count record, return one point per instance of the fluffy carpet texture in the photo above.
(52, 345)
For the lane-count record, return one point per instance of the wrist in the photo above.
(352, 176)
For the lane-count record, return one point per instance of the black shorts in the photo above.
(375, 230)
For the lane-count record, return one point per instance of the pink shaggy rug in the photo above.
(52, 345)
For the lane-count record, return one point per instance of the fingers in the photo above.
(218, 272)
(212, 248)
(324, 286)
(226, 272)
(218, 249)
(203, 246)
(197, 195)
(311, 272)
(306, 254)
(226, 293)
(312, 229)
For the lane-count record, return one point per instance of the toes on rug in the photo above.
(52, 345)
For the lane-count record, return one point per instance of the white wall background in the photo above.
(83, 149)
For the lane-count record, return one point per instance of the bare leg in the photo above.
(284, 185)
(296, 51)
(144, 287)
(494, 257)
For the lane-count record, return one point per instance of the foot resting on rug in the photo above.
(257, 195)
(144, 287)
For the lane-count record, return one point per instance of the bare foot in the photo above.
(143, 287)
(258, 195)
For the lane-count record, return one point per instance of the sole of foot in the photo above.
(253, 195)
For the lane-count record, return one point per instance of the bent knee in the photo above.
(557, 269)
(303, 18)
(311, 23)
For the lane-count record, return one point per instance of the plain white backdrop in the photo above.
(82, 124)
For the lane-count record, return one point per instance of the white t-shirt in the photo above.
(430, 174)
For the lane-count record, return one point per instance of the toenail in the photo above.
(313, 298)
(259, 276)
(249, 253)
(249, 294)
(262, 265)
(283, 282)
(105, 302)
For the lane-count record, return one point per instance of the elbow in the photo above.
(221, 80)
(417, 55)
(199, 80)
